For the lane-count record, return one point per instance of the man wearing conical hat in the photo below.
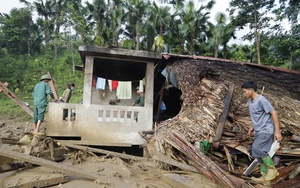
(40, 93)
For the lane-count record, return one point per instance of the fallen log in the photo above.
(57, 166)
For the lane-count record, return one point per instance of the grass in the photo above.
(10, 111)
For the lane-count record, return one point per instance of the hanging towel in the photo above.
(109, 85)
(141, 86)
(100, 85)
(113, 84)
(124, 90)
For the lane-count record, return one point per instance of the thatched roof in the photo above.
(204, 82)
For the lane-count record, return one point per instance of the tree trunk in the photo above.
(137, 28)
(216, 51)
(28, 38)
(257, 37)
(57, 29)
(47, 36)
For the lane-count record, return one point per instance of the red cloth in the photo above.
(94, 82)
(114, 84)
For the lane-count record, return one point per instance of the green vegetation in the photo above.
(30, 47)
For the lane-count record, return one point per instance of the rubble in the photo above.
(204, 82)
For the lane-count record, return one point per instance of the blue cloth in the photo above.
(261, 118)
(169, 76)
(163, 106)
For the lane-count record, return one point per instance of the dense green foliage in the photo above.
(32, 46)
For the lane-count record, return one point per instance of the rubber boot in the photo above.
(263, 172)
(272, 171)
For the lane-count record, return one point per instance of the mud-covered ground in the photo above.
(114, 172)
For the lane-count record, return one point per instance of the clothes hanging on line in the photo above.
(100, 85)
(113, 84)
(124, 90)
(141, 86)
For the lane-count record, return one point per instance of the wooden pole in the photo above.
(52, 86)
(13, 97)
(161, 93)
(223, 117)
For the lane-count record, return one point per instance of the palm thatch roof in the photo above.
(204, 82)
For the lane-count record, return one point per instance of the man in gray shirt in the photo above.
(266, 129)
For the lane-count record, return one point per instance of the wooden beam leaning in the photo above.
(57, 166)
(52, 86)
(13, 97)
(223, 117)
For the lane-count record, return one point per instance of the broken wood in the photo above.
(11, 166)
(283, 174)
(292, 183)
(223, 117)
(102, 151)
(13, 97)
(29, 180)
(164, 159)
(57, 166)
(53, 86)
(180, 143)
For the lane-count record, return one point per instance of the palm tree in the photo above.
(45, 10)
(98, 11)
(194, 24)
(114, 21)
(221, 33)
(80, 20)
(136, 14)
(59, 10)
(159, 19)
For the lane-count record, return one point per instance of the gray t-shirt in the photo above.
(261, 118)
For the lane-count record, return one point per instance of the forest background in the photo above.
(30, 48)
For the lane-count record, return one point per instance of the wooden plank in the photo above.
(179, 142)
(223, 117)
(292, 183)
(57, 166)
(102, 151)
(52, 84)
(16, 100)
(11, 166)
(164, 159)
(283, 174)
(30, 179)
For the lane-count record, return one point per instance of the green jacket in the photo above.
(40, 92)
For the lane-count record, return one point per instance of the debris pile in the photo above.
(204, 84)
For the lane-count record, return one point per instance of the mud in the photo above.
(114, 172)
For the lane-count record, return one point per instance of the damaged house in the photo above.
(214, 112)
(195, 116)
